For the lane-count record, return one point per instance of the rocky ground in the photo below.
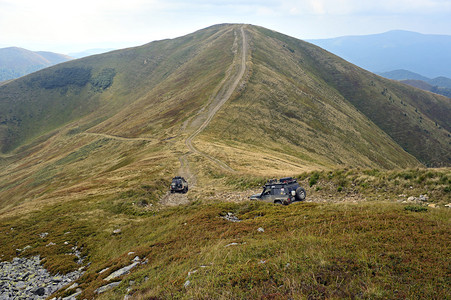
(25, 278)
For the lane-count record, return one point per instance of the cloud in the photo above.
(357, 7)
(89, 23)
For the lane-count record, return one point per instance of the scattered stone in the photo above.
(107, 287)
(187, 283)
(231, 244)
(121, 272)
(231, 217)
(50, 244)
(411, 199)
(423, 198)
(130, 253)
(448, 205)
(137, 259)
(191, 272)
(262, 262)
(25, 278)
(117, 231)
(43, 235)
(73, 296)
(73, 286)
(260, 229)
(106, 269)
(433, 205)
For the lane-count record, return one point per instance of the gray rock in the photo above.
(231, 217)
(43, 235)
(107, 287)
(24, 278)
(187, 283)
(121, 272)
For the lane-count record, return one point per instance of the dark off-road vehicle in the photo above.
(179, 185)
(283, 191)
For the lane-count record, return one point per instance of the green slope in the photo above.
(100, 86)
(301, 101)
(90, 146)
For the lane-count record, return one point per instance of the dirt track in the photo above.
(225, 91)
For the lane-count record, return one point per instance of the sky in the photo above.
(67, 26)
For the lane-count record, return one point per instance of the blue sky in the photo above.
(66, 26)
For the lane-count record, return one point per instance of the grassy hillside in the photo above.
(90, 146)
(335, 249)
(302, 101)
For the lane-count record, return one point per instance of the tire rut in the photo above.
(223, 94)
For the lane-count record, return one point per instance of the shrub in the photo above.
(314, 178)
(103, 80)
(66, 76)
(415, 208)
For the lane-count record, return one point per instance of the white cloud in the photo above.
(40, 24)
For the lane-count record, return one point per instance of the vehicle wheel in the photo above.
(278, 202)
(300, 194)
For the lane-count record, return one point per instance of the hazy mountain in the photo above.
(403, 75)
(426, 54)
(440, 85)
(16, 62)
(89, 52)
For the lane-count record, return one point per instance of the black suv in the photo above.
(282, 191)
(179, 185)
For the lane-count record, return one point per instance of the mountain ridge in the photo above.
(89, 148)
(16, 62)
(440, 85)
(426, 54)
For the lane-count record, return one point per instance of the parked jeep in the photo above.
(179, 185)
(282, 191)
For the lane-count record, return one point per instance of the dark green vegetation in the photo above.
(90, 146)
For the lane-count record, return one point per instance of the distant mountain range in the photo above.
(426, 54)
(16, 62)
(439, 85)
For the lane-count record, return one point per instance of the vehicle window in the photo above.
(277, 191)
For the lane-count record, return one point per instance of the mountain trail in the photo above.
(120, 138)
(223, 93)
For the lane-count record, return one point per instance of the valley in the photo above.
(88, 158)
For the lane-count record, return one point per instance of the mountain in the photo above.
(403, 75)
(440, 85)
(16, 62)
(426, 54)
(89, 147)
(89, 52)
